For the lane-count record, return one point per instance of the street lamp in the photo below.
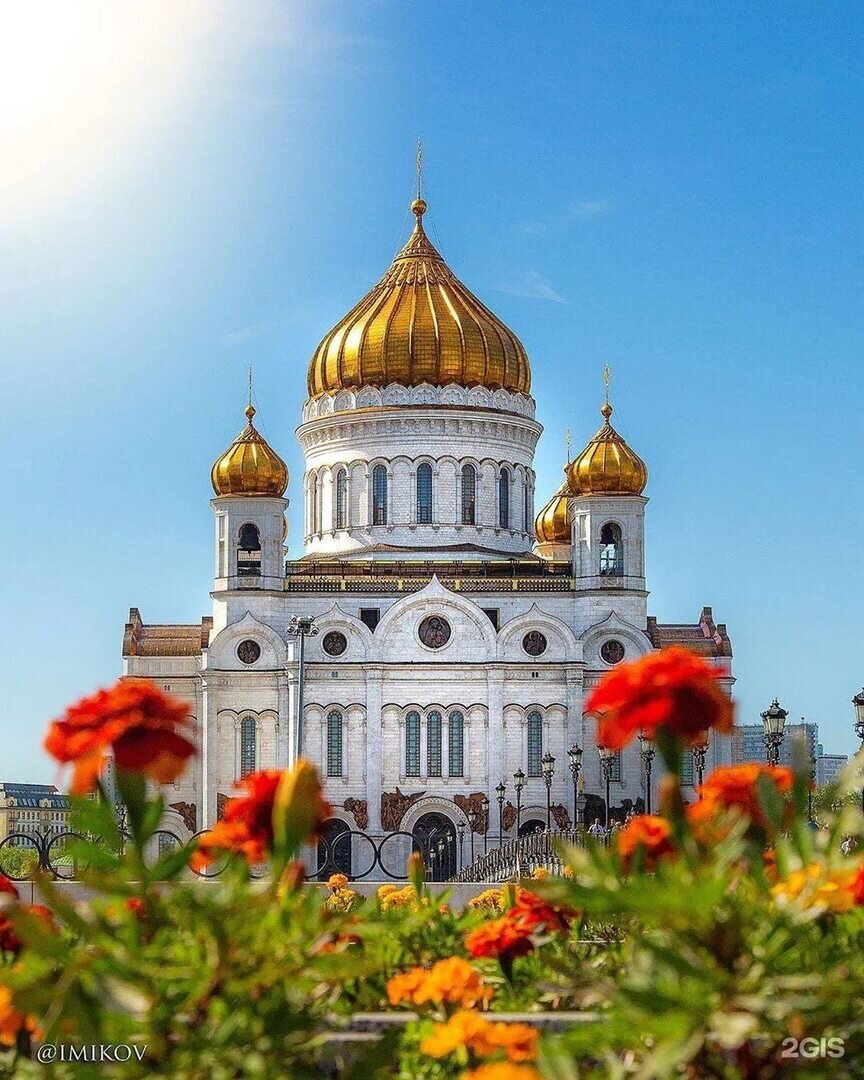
(461, 828)
(607, 759)
(472, 822)
(519, 782)
(858, 702)
(773, 723)
(700, 752)
(484, 805)
(548, 766)
(301, 627)
(501, 791)
(575, 756)
(646, 749)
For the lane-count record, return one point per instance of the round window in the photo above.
(248, 651)
(612, 651)
(534, 643)
(335, 643)
(434, 632)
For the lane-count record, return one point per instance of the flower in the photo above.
(489, 900)
(482, 1037)
(248, 827)
(539, 873)
(502, 1070)
(337, 881)
(817, 886)
(858, 886)
(647, 835)
(135, 721)
(12, 1022)
(738, 785)
(452, 981)
(502, 938)
(673, 689)
(6, 886)
(389, 896)
(531, 913)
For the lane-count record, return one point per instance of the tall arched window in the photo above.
(504, 499)
(456, 744)
(314, 519)
(611, 550)
(412, 744)
(535, 743)
(433, 744)
(424, 493)
(469, 495)
(248, 551)
(342, 499)
(527, 508)
(379, 495)
(334, 743)
(248, 739)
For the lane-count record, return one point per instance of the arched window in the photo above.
(379, 495)
(456, 744)
(424, 493)
(334, 743)
(342, 499)
(535, 743)
(248, 739)
(412, 744)
(504, 499)
(527, 508)
(249, 551)
(433, 744)
(611, 550)
(314, 519)
(469, 495)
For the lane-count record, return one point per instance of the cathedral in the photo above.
(432, 649)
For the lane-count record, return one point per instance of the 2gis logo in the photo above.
(828, 1046)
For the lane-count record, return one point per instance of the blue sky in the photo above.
(674, 188)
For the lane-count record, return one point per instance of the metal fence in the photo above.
(519, 858)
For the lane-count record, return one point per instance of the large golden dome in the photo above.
(607, 465)
(250, 466)
(419, 325)
(551, 525)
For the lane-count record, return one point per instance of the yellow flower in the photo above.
(817, 886)
(490, 900)
(452, 981)
(540, 873)
(341, 900)
(482, 1037)
(337, 881)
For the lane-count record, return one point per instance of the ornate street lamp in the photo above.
(484, 805)
(548, 766)
(519, 783)
(301, 627)
(575, 756)
(461, 828)
(700, 753)
(773, 723)
(501, 791)
(858, 702)
(607, 760)
(646, 749)
(472, 821)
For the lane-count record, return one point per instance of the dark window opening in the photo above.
(424, 494)
(371, 616)
(611, 550)
(469, 495)
(535, 743)
(412, 744)
(494, 616)
(379, 495)
(433, 744)
(504, 499)
(249, 551)
(341, 499)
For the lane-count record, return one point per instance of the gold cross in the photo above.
(419, 169)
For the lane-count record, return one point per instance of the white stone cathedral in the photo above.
(451, 639)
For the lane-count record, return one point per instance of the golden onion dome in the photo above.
(607, 465)
(419, 324)
(250, 466)
(551, 525)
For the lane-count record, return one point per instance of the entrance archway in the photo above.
(334, 850)
(531, 826)
(434, 836)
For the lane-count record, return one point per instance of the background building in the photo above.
(828, 766)
(748, 742)
(32, 809)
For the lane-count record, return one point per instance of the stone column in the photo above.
(209, 751)
(285, 700)
(494, 731)
(374, 747)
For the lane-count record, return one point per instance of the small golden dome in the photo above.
(419, 325)
(607, 465)
(551, 525)
(250, 466)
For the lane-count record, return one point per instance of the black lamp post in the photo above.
(472, 823)
(519, 782)
(858, 702)
(607, 758)
(548, 766)
(301, 627)
(575, 756)
(501, 791)
(461, 828)
(700, 753)
(484, 805)
(773, 723)
(646, 749)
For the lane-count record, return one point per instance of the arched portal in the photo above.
(434, 836)
(531, 826)
(334, 849)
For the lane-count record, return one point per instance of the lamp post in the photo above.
(700, 753)
(519, 783)
(548, 766)
(575, 756)
(858, 702)
(472, 823)
(501, 790)
(461, 828)
(484, 806)
(773, 723)
(607, 757)
(646, 749)
(301, 627)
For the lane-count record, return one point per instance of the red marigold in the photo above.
(136, 721)
(531, 912)
(858, 886)
(737, 785)
(650, 835)
(6, 886)
(673, 689)
(502, 938)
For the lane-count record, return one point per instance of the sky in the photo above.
(191, 186)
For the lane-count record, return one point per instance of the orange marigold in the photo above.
(452, 981)
(135, 721)
(673, 689)
(12, 1022)
(502, 1070)
(531, 912)
(650, 835)
(858, 886)
(482, 1037)
(737, 785)
(502, 938)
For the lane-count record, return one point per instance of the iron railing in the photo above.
(521, 857)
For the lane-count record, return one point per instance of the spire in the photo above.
(418, 206)
(250, 408)
(606, 411)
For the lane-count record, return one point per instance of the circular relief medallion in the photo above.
(612, 651)
(434, 632)
(335, 643)
(534, 643)
(248, 651)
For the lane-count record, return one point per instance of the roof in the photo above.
(34, 795)
(706, 637)
(164, 639)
